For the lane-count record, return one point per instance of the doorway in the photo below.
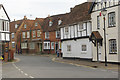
(99, 51)
(56, 47)
(39, 47)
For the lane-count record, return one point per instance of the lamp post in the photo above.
(104, 12)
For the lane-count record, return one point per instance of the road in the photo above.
(31, 66)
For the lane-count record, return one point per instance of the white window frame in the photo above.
(24, 45)
(111, 19)
(52, 45)
(38, 33)
(13, 44)
(59, 22)
(50, 23)
(46, 35)
(85, 48)
(66, 30)
(112, 46)
(23, 34)
(16, 26)
(34, 33)
(98, 22)
(13, 35)
(57, 33)
(25, 26)
(28, 34)
(47, 45)
(36, 24)
(68, 48)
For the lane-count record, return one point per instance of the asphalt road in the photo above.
(43, 67)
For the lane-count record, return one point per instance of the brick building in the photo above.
(26, 35)
(51, 33)
(31, 36)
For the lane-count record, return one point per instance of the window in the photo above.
(112, 46)
(28, 34)
(46, 35)
(59, 22)
(25, 26)
(50, 23)
(38, 33)
(80, 27)
(111, 19)
(13, 35)
(32, 45)
(16, 26)
(68, 47)
(98, 22)
(46, 45)
(13, 44)
(36, 24)
(52, 45)
(34, 35)
(57, 34)
(66, 30)
(23, 34)
(84, 48)
(3, 26)
(23, 45)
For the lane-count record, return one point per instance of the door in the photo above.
(99, 51)
(40, 47)
(56, 47)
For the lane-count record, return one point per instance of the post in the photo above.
(105, 43)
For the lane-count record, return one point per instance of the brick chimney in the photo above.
(25, 17)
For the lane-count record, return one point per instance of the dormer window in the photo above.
(50, 23)
(36, 24)
(25, 26)
(59, 22)
(16, 26)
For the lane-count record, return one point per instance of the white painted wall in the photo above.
(75, 31)
(2, 14)
(76, 50)
(4, 34)
(112, 33)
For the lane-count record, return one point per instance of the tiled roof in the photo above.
(97, 35)
(78, 14)
(12, 25)
(54, 19)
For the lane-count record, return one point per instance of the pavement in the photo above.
(86, 63)
(47, 66)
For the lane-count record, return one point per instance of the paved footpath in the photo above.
(35, 66)
(86, 63)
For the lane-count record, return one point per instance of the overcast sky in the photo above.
(16, 9)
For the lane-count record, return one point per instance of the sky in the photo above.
(17, 9)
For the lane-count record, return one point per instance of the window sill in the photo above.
(111, 26)
(112, 53)
(84, 52)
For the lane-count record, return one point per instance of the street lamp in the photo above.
(104, 12)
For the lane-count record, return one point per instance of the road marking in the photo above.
(21, 71)
(31, 77)
(26, 74)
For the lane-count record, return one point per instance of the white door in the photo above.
(99, 51)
